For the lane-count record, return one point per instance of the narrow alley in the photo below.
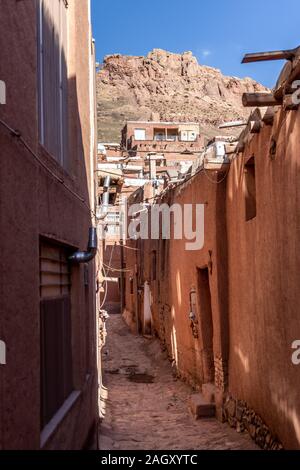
(150, 220)
(145, 406)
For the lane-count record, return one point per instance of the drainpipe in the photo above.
(80, 257)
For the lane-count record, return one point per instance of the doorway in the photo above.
(206, 322)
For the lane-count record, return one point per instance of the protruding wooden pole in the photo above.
(260, 99)
(289, 102)
(225, 125)
(273, 55)
(254, 127)
(268, 116)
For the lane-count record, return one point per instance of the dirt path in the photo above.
(145, 407)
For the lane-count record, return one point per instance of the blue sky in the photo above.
(218, 32)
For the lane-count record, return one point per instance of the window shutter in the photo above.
(64, 84)
(53, 77)
(56, 330)
(55, 272)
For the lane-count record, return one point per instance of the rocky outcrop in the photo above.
(169, 87)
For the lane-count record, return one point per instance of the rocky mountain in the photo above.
(168, 87)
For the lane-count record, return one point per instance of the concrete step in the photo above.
(200, 408)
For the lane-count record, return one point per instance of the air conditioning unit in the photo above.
(215, 156)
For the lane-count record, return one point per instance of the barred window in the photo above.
(56, 334)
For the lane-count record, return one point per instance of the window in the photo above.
(113, 225)
(53, 78)
(55, 317)
(172, 135)
(250, 189)
(207, 326)
(112, 199)
(2, 92)
(139, 134)
(160, 135)
(192, 136)
(188, 136)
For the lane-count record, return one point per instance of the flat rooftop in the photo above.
(175, 123)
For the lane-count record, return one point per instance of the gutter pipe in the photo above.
(80, 257)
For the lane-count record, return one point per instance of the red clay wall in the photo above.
(171, 289)
(254, 273)
(34, 204)
(264, 274)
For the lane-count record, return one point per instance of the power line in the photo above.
(110, 268)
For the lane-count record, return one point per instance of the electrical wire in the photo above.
(131, 248)
(111, 254)
(216, 181)
(17, 134)
(106, 289)
(110, 268)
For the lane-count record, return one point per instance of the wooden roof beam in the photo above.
(226, 125)
(260, 100)
(288, 54)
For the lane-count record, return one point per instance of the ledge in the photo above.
(57, 419)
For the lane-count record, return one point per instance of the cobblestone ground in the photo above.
(153, 415)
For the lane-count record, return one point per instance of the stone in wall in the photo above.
(221, 373)
(244, 419)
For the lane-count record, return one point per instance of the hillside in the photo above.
(168, 87)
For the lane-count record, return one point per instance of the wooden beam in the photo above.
(273, 55)
(231, 148)
(268, 115)
(254, 127)
(289, 74)
(240, 147)
(283, 78)
(260, 99)
(289, 102)
(225, 125)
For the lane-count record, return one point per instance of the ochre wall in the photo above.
(264, 275)
(254, 279)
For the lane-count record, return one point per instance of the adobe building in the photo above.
(228, 313)
(151, 152)
(49, 382)
(178, 143)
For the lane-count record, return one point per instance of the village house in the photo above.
(49, 380)
(151, 153)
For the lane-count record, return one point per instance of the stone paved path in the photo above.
(152, 416)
